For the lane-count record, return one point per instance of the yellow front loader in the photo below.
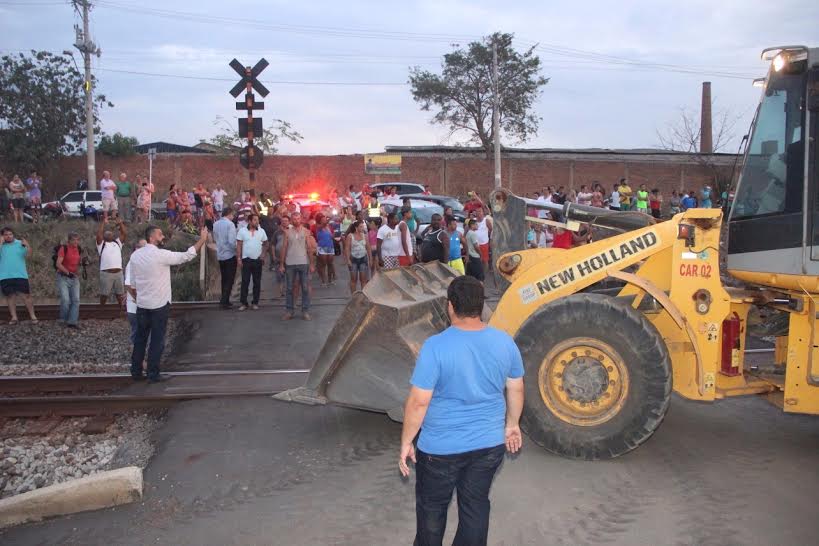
(601, 362)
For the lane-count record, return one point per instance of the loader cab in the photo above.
(774, 220)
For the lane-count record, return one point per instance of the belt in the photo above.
(112, 270)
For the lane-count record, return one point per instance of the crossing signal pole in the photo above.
(251, 156)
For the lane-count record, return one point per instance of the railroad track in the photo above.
(110, 394)
(51, 311)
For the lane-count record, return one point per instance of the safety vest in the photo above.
(374, 209)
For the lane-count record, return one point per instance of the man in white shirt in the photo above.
(542, 213)
(251, 247)
(151, 278)
(614, 199)
(109, 250)
(107, 188)
(218, 195)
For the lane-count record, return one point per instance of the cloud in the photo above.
(595, 96)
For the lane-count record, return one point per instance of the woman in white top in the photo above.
(357, 254)
(584, 196)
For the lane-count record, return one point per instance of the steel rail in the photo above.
(51, 311)
(67, 398)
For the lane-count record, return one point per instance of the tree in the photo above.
(683, 135)
(42, 108)
(228, 136)
(462, 94)
(117, 145)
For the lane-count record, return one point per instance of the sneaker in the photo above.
(254, 307)
(287, 316)
(242, 308)
(226, 305)
(74, 326)
(158, 379)
(306, 316)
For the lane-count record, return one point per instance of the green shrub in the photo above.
(44, 236)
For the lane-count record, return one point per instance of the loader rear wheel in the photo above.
(598, 377)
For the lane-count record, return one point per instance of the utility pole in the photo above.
(87, 48)
(496, 115)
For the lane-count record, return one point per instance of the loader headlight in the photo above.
(779, 62)
(508, 264)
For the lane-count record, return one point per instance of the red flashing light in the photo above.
(290, 196)
(314, 196)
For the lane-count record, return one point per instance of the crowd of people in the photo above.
(18, 195)
(623, 197)
(372, 231)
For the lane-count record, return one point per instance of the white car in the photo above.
(401, 188)
(73, 201)
(423, 212)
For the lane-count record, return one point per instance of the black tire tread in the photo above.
(641, 347)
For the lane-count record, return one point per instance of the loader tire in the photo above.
(598, 377)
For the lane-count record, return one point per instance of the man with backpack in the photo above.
(67, 261)
(109, 250)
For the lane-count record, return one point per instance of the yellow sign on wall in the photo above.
(382, 164)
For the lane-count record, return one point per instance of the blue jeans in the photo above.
(69, 289)
(291, 271)
(151, 323)
(437, 476)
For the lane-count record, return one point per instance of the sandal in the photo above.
(12, 322)
(35, 321)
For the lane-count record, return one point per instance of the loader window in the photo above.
(773, 174)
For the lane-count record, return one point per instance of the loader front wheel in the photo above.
(598, 377)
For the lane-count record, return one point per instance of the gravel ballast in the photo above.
(65, 453)
(50, 348)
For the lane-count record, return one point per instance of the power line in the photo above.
(298, 29)
(267, 82)
(573, 54)
(30, 3)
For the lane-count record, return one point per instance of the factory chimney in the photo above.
(706, 134)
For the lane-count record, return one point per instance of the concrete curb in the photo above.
(102, 490)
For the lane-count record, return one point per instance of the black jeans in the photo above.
(251, 268)
(469, 473)
(227, 269)
(474, 268)
(150, 323)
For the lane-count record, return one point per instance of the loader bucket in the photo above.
(368, 358)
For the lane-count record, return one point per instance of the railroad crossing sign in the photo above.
(251, 156)
(249, 76)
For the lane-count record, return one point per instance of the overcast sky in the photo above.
(619, 70)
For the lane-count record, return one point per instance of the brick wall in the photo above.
(451, 174)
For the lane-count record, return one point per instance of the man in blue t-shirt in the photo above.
(689, 201)
(466, 420)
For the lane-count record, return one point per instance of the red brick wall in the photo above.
(451, 176)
